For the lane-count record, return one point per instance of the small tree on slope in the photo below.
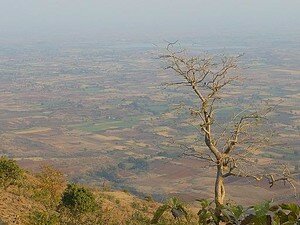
(10, 172)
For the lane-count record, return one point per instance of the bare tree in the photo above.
(231, 145)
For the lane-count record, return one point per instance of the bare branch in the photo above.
(234, 144)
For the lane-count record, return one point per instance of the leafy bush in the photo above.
(261, 214)
(10, 172)
(78, 199)
(176, 208)
(206, 213)
(266, 213)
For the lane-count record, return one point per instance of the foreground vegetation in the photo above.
(46, 199)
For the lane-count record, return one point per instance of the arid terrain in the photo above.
(99, 113)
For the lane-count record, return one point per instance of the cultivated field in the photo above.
(99, 113)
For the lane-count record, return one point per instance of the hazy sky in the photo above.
(146, 18)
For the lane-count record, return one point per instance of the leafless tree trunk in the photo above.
(232, 145)
(219, 188)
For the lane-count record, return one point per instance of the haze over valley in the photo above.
(85, 86)
(99, 112)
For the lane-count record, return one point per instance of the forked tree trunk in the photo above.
(219, 190)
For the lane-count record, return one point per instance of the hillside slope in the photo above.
(46, 199)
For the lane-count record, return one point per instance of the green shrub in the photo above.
(175, 207)
(206, 214)
(10, 172)
(78, 199)
(266, 213)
